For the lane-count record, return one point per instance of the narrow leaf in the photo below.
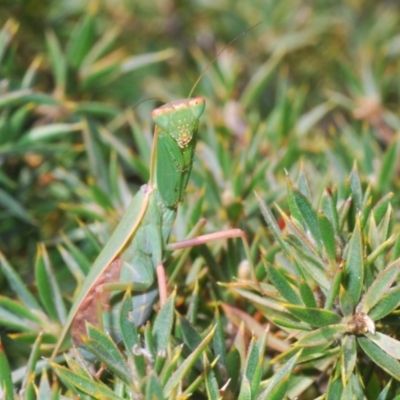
(380, 357)
(17, 285)
(348, 357)
(277, 385)
(380, 286)
(355, 186)
(386, 304)
(184, 368)
(386, 343)
(6, 384)
(314, 316)
(87, 385)
(163, 324)
(280, 281)
(322, 336)
(354, 267)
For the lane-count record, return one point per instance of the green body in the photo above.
(142, 234)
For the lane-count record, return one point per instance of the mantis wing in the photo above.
(169, 174)
(124, 231)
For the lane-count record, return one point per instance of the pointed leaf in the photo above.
(322, 336)
(278, 383)
(103, 347)
(48, 288)
(6, 384)
(354, 268)
(17, 285)
(281, 282)
(386, 343)
(153, 388)
(356, 189)
(329, 208)
(314, 316)
(184, 368)
(307, 216)
(327, 236)
(380, 287)
(348, 357)
(272, 224)
(87, 385)
(163, 324)
(210, 380)
(380, 357)
(386, 304)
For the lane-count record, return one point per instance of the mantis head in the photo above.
(179, 118)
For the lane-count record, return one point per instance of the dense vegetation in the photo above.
(298, 146)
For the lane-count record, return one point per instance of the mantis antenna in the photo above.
(218, 54)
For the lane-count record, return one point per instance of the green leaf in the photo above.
(328, 237)
(303, 211)
(388, 169)
(335, 288)
(281, 282)
(314, 316)
(302, 183)
(245, 390)
(17, 316)
(322, 336)
(329, 201)
(163, 324)
(386, 343)
(356, 189)
(386, 304)
(309, 263)
(354, 267)
(233, 367)
(219, 339)
(79, 256)
(49, 291)
(82, 38)
(171, 366)
(17, 285)
(130, 335)
(104, 348)
(102, 45)
(335, 388)
(346, 302)
(184, 368)
(210, 380)
(277, 385)
(58, 62)
(8, 31)
(348, 357)
(45, 390)
(6, 384)
(271, 222)
(380, 286)
(381, 206)
(254, 362)
(15, 97)
(260, 79)
(306, 293)
(28, 385)
(380, 357)
(153, 388)
(86, 384)
(49, 132)
(15, 208)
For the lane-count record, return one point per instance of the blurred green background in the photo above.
(315, 84)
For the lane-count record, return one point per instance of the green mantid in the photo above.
(135, 252)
